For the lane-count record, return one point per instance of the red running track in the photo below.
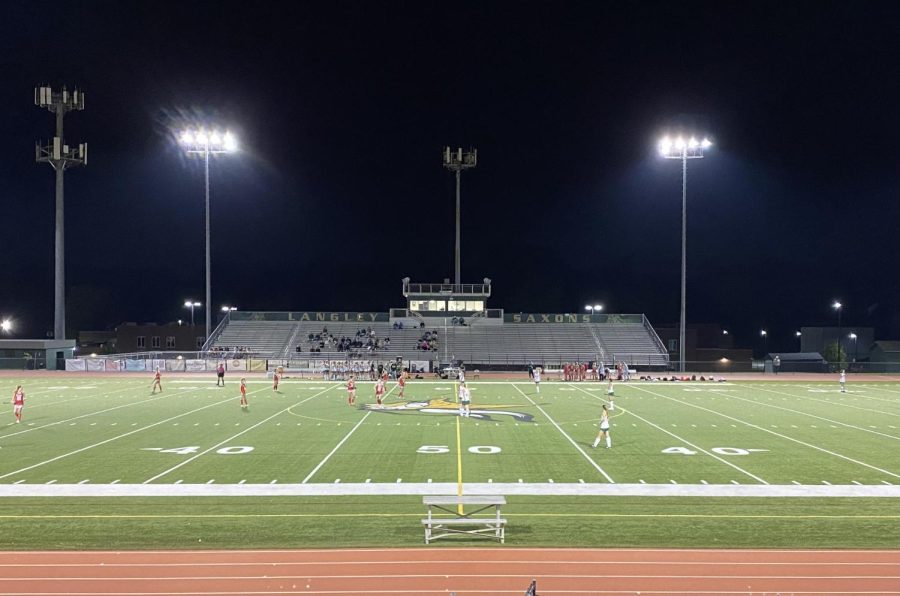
(464, 571)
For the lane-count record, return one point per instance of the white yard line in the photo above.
(336, 447)
(840, 403)
(231, 438)
(772, 432)
(342, 441)
(104, 442)
(685, 441)
(572, 441)
(802, 413)
(79, 398)
(128, 405)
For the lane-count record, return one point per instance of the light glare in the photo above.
(6, 325)
(706, 143)
(230, 142)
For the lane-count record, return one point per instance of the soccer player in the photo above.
(275, 378)
(18, 402)
(351, 390)
(401, 382)
(157, 382)
(220, 375)
(537, 378)
(604, 429)
(843, 381)
(465, 399)
(244, 404)
(379, 392)
(461, 376)
(610, 390)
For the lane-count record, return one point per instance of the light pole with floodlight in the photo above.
(205, 143)
(191, 304)
(594, 308)
(684, 150)
(799, 335)
(6, 325)
(765, 336)
(854, 337)
(839, 307)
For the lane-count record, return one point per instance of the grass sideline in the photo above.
(103, 430)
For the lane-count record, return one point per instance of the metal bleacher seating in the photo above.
(498, 344)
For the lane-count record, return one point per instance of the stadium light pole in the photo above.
(854, 337)
(683, 149)
(765, 336)
(457, 161)
(191, 304)
(798, 335)
(594, 308)
(836, 305)
(207, 143)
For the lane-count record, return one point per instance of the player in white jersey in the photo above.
(604, 429)
(537, 378)
(843, 381)
(465, 399)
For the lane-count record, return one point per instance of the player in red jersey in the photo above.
(157, 382)
(244, 403)
(401, 382)
(18, 402)
(379, 392)
(351, 390)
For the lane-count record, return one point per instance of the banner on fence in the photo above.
(257, 365)
(236, 365)
(112, 365)
(194, 365)
(75, 364)
(135, 365)
(95, 364)
(174, 365)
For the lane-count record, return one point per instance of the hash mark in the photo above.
(179, 481)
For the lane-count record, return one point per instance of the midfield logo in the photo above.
(442, 406)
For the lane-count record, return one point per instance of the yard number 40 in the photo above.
(716, 450)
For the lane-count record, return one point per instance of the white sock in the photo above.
(596, 442)
(608, 442)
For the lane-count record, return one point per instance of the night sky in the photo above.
(342, 109)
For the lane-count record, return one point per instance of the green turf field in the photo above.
(304, 468)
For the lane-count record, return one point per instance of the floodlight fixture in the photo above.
(598, 307)
(593, 308)
(191, 305)
(683, 149)
(205, 143)
(797, 334)
(852, 336)
(764, 333)
(724, 331)
(837, 305)
(6, 325)
(229, 308)
(457, 161)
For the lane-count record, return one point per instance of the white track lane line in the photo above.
(231, 438)
(671, 434)
(772, 432)
(342, 441)
(559, 428)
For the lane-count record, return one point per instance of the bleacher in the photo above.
(485, 344)
(266, 338)
(631, 343)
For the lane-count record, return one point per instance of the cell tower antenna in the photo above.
(61, 156)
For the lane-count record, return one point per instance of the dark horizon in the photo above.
(338, 192)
